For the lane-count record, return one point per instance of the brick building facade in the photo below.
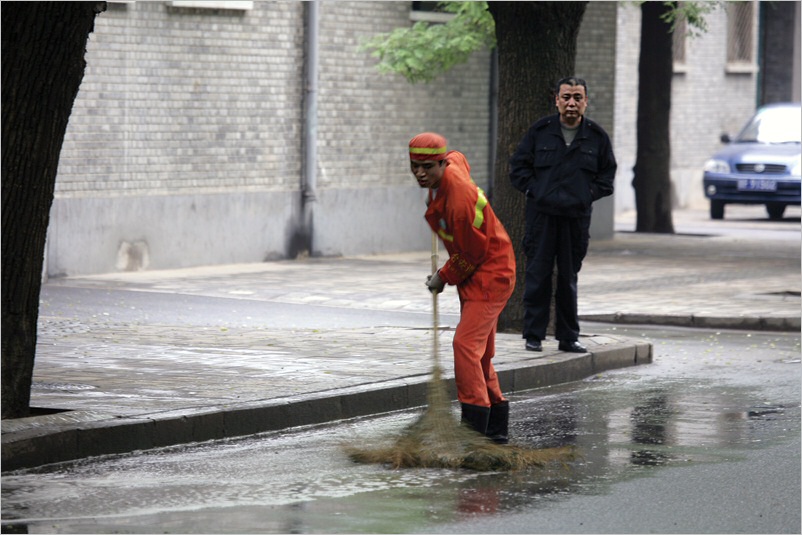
(185, 144)
(188, 139)
(711, 94)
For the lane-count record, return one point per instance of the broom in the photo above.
(438, 440)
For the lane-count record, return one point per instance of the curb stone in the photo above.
(33, 447)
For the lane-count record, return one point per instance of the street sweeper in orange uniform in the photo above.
(481, 265)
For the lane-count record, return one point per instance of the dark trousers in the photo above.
(551, 238)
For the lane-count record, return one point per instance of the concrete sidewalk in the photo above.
(160, 380)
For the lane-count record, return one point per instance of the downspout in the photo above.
(493, 104)
(309, 157)
(796, 90)
(761, 60)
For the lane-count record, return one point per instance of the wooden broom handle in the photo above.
(435, 347)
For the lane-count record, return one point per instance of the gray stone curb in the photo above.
(101, 435)
(780, 324)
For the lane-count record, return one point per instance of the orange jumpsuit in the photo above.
(481, 264)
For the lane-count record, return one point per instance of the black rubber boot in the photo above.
(499, 422)
(476, 417)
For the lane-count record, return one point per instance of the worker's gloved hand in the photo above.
(435, 283)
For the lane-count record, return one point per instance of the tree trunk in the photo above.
(43, 46)
(652, 177)
(536, 47)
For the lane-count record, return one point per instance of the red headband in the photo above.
(428, 146)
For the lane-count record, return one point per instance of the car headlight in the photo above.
(796, 170)
(717, 166)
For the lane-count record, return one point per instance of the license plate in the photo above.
(757, 184)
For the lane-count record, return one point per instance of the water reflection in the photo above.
(551, 422)
(15, 528)
(649, 421)
(302, 483)
(642, 429)
(478, 499)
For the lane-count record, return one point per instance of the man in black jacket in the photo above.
(563, 164)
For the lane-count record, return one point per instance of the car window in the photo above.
(773, 125)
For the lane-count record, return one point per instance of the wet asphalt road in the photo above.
(704, 440)
(135, 308)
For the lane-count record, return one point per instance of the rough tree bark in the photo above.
(652, 177)
(536, 47)
(43, 47)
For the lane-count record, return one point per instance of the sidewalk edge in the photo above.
(758, 323)
(40, 446)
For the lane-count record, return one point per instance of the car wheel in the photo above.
(716, 210)
(775, 210)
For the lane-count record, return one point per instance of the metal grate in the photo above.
(679, 36)
(740, 32)
(760, 168)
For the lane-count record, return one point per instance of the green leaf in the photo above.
(425, 51)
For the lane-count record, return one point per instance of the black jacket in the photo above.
(562, 180)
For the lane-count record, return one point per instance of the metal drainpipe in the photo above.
(761, 35)
(309, 164)
(493, 105)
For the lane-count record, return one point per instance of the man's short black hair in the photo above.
(571, 80)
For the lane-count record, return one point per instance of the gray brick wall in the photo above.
(366, 119)
(368, 201)
(185, 139)
(596, 63)
(181, 101)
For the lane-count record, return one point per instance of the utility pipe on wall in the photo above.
(493, 104)
(309, 163)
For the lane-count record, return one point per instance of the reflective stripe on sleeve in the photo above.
(447, 237)
(481, 202)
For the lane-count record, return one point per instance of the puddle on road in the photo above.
(301, 481)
